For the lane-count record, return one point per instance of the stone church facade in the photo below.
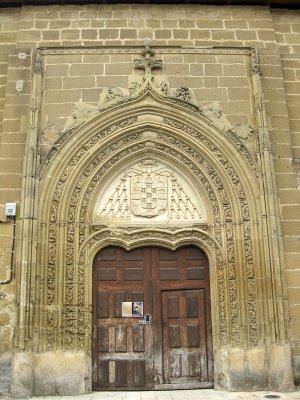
(152, 152)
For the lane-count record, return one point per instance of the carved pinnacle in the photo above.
(147, 49)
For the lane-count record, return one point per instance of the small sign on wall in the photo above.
(132, 309)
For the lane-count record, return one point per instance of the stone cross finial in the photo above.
(147, 64)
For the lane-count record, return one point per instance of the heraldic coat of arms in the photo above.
(148, 190)
(149, 194)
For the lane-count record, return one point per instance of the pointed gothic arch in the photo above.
(229, 183)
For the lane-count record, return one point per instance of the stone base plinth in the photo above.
(267, 368)
(70, 373)
(51, 374)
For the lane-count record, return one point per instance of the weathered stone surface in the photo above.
(22, 375)
(57, 374)
(61, 374)
(281, 378)
(221, 370)
(254, 369)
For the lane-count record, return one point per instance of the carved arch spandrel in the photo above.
(72, 181)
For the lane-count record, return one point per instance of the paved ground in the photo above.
(203, 394)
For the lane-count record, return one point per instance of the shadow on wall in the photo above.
(296, 370)
(5, 372)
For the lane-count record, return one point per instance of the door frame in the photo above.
(158, 356)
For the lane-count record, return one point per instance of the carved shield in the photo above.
(149, 195)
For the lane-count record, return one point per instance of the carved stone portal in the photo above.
(151, 189)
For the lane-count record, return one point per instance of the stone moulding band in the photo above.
(130, 236)
(137, 49)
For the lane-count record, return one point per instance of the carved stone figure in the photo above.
(244, 130)
(49, 135)
(214, 113)
(81, 113)
(134, 84)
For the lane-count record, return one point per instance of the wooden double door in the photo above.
(172, 346)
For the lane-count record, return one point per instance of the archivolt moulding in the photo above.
(129, 238)
(94, 152)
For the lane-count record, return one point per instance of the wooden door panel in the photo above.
(195, 273)
(122, 351)
(169, 274)
(174, 288)
(107, 274)
(192, 306)
(103, 373)
(138, 339)
(102, 304)
(175, 366)
(102, 339)
(121, 338)
(121, 375)
(139, 373)
(173, 307)
(133, 274)
(119, 297)
(192, 336)
(184, 336)
(194, 365)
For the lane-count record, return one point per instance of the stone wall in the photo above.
(10, 165)
(287, 30)
(117, 33)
